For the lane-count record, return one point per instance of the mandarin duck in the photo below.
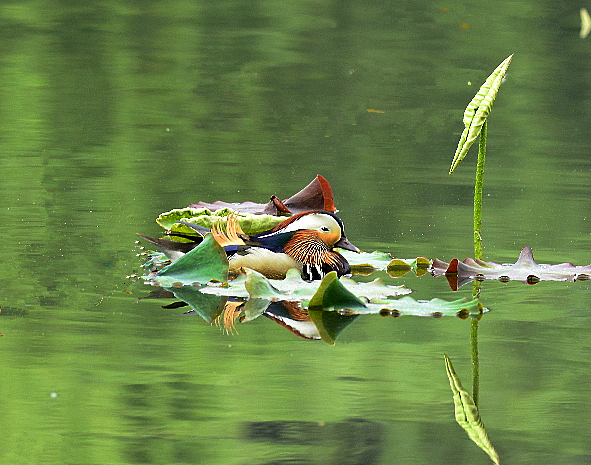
(304, 241)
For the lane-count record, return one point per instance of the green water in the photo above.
(113, 112)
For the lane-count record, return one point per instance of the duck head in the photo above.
(325, 226)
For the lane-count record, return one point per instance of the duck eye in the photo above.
(324, 229)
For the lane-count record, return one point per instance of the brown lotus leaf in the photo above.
(315, 196)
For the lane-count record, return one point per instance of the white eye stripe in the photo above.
(314, 221)
(281, 231)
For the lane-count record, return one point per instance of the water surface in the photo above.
(117, 111)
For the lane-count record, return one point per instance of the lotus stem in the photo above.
(474, 357)
(475, 360)
(478, 255)
(478, 194)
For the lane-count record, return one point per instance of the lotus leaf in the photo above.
(294, 288)
(333, 295)
(315, 196)
(250, 224)
(204, 263)
(525, 269)
(434, 307)
(369, 262)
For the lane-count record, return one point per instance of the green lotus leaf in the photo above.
(435, 307)
(258, 286)
(369, 262)
(253, 224)
(342, 294)
(250, 224)
(204, 263)
(376, 260)
(333, 295)
(168, 219)
(295, 289)
(375, 289)
(234, 288)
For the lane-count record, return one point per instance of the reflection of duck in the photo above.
(304, 323)
(304, 241)
(293, 317)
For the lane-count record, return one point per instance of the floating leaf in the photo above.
(204, 263)
(375, 260)
(477, 111)
(249, 223)
(373, 290)
(525, 269)
(258, 286)
(294, 288)
(315, 196)
(399, 267)
(333, 295)
(367, 263)
(372, 297)
(467, 414)
(168, 219)
(434, 307)
(344, 294)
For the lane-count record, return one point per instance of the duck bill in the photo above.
(343, 243)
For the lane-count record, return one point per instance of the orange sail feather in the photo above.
(231, 236)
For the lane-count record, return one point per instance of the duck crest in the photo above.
(232, 234)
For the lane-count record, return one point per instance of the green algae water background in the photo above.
(113, 112)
